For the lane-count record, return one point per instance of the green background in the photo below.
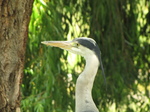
(121, 28)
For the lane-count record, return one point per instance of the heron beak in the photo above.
(61, 44)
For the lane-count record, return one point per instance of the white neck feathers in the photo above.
(84, 85)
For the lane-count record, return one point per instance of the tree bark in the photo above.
(14, 20)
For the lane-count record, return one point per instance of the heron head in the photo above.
(82, 46)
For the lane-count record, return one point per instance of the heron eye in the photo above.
(77, 44)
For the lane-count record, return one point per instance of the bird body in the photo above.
(87, 48)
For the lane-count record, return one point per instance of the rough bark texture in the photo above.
(14, 20)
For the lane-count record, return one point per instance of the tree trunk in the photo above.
(14, 20)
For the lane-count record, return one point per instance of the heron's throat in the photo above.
(88, 75)
(84, 85)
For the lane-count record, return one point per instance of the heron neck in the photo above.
(84, 85)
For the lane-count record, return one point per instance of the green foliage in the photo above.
(122, 30)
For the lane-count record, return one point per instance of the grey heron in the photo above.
(87, 48)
